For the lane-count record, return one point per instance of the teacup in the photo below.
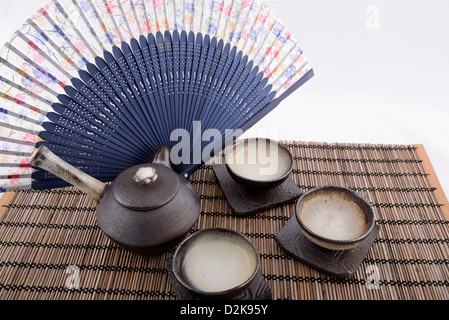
(335, 218)
(216, 263)
(259, 162)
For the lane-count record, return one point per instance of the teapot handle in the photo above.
(162, 157)
(47, 160)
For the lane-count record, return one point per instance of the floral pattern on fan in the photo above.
(56, 43)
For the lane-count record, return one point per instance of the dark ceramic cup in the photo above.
(216, 264)
(335, 218)
(259, 163)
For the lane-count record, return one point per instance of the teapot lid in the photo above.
(146, 187)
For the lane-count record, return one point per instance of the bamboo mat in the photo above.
(51, 247)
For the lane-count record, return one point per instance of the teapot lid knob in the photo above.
(146, 187)
(145, 176)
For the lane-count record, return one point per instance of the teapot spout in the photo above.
(47, 160)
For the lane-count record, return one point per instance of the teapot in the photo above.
(148, 209)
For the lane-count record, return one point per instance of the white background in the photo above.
(381, 72)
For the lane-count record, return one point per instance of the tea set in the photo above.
(150, 209)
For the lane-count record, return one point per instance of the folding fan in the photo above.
(104, 84)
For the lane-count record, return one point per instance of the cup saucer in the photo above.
(246, 201)
(258, 289)
(342, 264)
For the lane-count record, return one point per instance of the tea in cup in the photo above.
(216, 263)
(260, 163)
(335, 218)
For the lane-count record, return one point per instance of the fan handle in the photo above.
(47, 160)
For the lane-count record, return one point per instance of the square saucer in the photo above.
(247, 201)
(341, 264)
(258, 289)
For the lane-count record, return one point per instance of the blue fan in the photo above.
(105, 102)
